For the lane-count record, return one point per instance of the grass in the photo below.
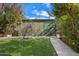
(37, 47)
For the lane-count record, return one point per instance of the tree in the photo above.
(9, 19)
(67, 16)
(27, 30)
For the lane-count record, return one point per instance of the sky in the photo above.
(37, 10)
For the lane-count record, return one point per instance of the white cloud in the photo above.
(47, 5)
(36, 12)
(44, 13)
(28, 17)
(39, 17)
(40, 13)
(52, 17)
(32, 17)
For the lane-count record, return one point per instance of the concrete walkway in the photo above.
(61, 48)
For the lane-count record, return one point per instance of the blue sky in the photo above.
(37, 10)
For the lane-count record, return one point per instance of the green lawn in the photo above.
(37, 47)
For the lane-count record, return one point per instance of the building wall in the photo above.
(36, 27)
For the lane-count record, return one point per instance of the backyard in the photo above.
(38, 21)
